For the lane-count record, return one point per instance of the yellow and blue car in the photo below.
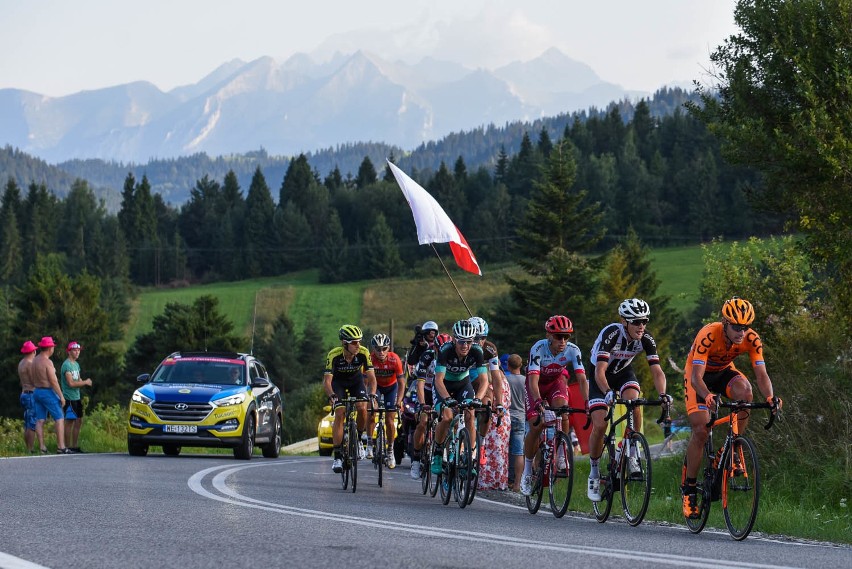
(206, 399)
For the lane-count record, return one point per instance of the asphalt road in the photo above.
(197, 512)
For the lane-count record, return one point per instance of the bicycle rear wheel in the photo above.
(636, 479)
(534, 499)
(463, 464)
(703, 496)
(379, 452)
(740, 487)
(561, 478)
(608, 482)
(354, 441)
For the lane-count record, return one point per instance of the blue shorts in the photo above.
(29, 411)
(46, 402)
(388, 395)
(516, 436)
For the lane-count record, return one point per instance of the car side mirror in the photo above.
(260, 382)
(143, 378)
(327, 408)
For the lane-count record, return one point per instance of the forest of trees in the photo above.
(660, 180)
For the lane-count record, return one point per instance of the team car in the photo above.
(324, 441)
(206, 399)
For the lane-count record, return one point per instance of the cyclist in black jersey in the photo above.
(346, 366)
(613, 351)
(425, 377)
(457, 361)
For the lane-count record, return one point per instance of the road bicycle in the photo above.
(380, 452)
(553, 464)
(731, 472)
(349, 452)
(627, 467)
(428, 481)
(460, 465)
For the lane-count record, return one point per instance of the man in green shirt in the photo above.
(69, 380)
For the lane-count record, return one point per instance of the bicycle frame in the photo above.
(458, 460)
(381, 442)
(350, 442)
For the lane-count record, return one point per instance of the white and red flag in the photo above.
(433, 224)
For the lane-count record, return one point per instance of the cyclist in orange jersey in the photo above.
(390, 388)
(710, 371)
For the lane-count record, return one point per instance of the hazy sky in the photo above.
(57, 47)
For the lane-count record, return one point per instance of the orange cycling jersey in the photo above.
(710, 349)
(388, 371)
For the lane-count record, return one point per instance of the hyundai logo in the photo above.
(181, 406)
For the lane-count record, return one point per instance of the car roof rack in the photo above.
(224, 355)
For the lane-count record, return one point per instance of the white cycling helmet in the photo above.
(429, 325)
(632, 308)
(464, 330)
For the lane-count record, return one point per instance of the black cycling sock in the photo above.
(689, 486)
(336, 453)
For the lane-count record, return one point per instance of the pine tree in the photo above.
(366, 174)
(382, 250)
(259, 237)
(334, 256)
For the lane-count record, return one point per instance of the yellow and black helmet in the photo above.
(738, 311)
(350, 333)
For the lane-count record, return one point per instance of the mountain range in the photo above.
(298, 105)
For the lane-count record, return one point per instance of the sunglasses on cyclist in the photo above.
(738, 327)
(463, 342)
(382, 349)
(638, 321)
(565, 337)
(351, 341)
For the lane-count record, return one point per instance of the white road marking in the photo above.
(229, 496)
(11, 562)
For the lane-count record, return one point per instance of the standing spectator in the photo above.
(47, 395)
(69, 379)
(27, 387)
(517, 412)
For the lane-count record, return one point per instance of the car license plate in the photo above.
(180, 429)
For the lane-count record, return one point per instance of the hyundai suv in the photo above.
(206, 399)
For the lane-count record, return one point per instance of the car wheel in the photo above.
(171, 450)
(273, 448)
(246, 448)
(136, 449)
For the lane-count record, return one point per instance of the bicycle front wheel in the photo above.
(426, 463)
(636, 479)
(561, 474)
(608, 468)
(379, 452)
(344, 459)
(447, 474)
(534, 499)
(740, 487)
(463, 469)
(477, 466)
(354, 441)
(435, 479)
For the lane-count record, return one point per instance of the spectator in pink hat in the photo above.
(25, 368)
(48, 395)
(69, 380)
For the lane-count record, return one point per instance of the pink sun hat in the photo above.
(28, 347)
(46, 342)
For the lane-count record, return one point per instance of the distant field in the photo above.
(394, 305)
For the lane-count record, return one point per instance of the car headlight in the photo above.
(139, 398)
(325, 424)
(231, 400)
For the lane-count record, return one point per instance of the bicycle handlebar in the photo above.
(736, 406)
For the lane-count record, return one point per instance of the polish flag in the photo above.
(433, 224)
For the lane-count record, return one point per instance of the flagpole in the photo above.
(451, 279)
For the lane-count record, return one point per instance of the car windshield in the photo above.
(212, 372)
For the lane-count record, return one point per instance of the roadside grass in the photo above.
(679, 270)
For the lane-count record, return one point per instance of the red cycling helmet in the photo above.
(559, 324)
